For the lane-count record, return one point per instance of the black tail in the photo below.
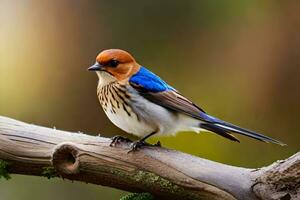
(224, 129)
(220, 131)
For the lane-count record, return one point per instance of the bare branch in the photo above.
(165, 173)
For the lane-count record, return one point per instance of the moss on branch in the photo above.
(49, 172)
(4, 170)
(138, 196)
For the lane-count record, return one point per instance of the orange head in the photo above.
(115, 64)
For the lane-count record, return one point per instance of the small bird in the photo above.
(141, 103)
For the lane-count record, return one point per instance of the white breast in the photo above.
(129, 123)
(117, 105)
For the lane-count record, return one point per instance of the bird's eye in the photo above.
(113, 63)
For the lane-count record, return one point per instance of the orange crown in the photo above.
(126, 64)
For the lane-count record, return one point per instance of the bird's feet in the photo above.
(141, 143)
(134, 145)
(118, 139)
(137, 145)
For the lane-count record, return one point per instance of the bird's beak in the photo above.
(96, 67)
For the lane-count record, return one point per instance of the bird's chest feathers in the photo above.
(115, 101)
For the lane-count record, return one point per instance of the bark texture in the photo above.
(167, 174)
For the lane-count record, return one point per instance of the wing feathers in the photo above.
(174, 101)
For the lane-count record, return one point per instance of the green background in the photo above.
(238, 60)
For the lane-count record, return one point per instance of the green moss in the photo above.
(151, 179)
(3, 170)
(138, 196)
(148, 180)
(49, 172)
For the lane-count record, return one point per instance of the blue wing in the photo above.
(149, 81)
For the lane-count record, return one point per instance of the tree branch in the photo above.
(167, 174)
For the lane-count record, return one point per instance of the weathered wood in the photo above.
(165, 173)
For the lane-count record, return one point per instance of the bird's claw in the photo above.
(118, 139)
(134, 145)
(137, 145)
(140, 143)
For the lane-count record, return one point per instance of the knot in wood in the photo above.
(65, 158)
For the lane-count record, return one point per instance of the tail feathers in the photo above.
(224, 129)
(219, 130)
(245, 132)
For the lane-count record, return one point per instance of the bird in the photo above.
(141, 103)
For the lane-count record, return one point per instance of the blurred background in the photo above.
(239, 60)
